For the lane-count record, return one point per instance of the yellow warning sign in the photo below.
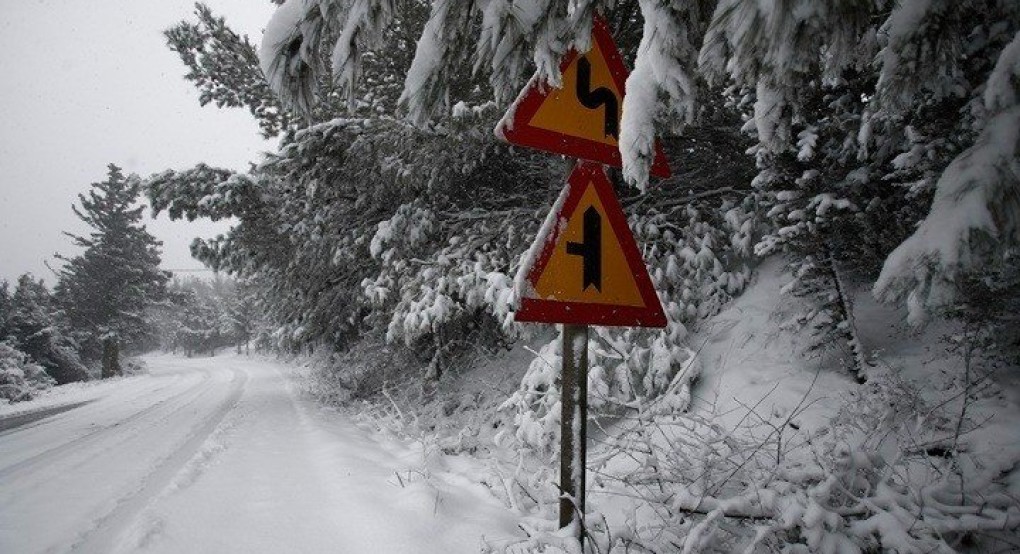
(580, 118)
(589, 270)
(587, 262)
(588, 105)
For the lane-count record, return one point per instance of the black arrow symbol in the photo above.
(593, 99)
(590, 249)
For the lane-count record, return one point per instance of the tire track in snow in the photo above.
(107, 528)
(93, 406)
(118, 438)
(96, 404)
(28, 420)
(97, 435)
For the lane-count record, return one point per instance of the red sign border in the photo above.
(538, 310)
(519, 132)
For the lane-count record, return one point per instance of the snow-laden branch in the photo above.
(668, 48)
(975, 215)
(288, 53)
(366, 21)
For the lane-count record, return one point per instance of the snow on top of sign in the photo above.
(507, 123)
(549, 230)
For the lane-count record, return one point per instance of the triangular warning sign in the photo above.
(581, 119)
(585, 267)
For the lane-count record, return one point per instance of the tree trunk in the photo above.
(111, 357)
(430, 379)
(859, 359)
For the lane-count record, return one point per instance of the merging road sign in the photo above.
(589, 271)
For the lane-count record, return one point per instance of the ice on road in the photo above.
(223, 455)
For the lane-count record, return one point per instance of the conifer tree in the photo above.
(106, 289)
(38, 329)
(224, 67)
(859, 107)
(5, 309)
(369, 226)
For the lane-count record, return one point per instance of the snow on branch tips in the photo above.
(665, 45)
(425, 86)
(900, 57)
(975, 215)
(504, 40)
(366, 21)
(287, 54)
(1003, 88)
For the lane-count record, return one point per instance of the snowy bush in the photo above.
(363, 372)
(20, 378)
(622, 375)
(885, 473)
(32, 321)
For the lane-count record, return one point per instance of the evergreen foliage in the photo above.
(5, 309)
(368, 225)
(20, 378)
(200, 316)
(36, 327)
(223, 66)
(858, 109)
(105, 290)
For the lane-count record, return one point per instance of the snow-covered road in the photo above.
(223, 455)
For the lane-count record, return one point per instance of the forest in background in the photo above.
(112, 298)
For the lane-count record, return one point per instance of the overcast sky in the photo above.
(87, 83)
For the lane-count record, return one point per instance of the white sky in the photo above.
(87, 83)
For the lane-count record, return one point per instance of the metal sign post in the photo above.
(573, 427)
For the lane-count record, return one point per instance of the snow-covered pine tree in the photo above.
(106, 289)
(212, 50)
(20, 377)
(242, 315)
(188, 319)
(858, 108)
(500, 41)
(369, 226)
(38, 328)
(5, 309)
(973, 226)
(791, 69)
(308, 215)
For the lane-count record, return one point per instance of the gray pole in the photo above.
(573, 427)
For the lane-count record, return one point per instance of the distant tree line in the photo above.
(103, 302)
(201, 316)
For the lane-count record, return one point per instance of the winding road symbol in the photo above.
(580, 116)
(594, 99)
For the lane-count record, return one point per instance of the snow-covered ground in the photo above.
(227, 454)
(224, 455)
